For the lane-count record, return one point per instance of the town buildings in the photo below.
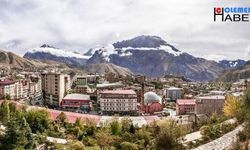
(7, 89)
(185, 106)
(54, 87)
(209, 104)
(81, 83)
(118, 101)
(77, 102)
(152, 103)
(174, 93)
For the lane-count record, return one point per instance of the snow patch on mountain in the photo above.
(166, 48)
(233, 64)
(58, 52)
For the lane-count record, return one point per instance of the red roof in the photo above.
(185, 101)
(73, 116)
(7, 82)
(118, 92)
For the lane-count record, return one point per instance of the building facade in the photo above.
(77, 102)
(54, 87)
(185, 106)
(7, 88)
(209, 104)
(152, 103)
(122, 101)
(174, 93)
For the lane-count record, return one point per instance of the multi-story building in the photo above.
(80, 84)
(185, 106)
(152, 103)
(121, 101)
(77, 101)
(174, 93)
(209, 104)
(21, 89)
(7, 88)
(54, 87)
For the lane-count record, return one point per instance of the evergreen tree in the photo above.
(5, 112)
(18, 135)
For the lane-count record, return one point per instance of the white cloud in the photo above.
(84, 24)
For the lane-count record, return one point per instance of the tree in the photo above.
(38, 119)
(18, 135)
(128, 146)
(7, 97)
(62, 118)
(105, 139)
(5, 112)
(12, 107)
(168, 137)
(126, 124)
(233, 107)
(90, 127)
(143, 137)
(246, 99)
(77, 145)
(115, 127)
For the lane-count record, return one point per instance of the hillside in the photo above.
(154, 57)
(235, 74)
(103, 68)
(11, 62)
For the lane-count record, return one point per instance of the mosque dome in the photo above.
(151, 97)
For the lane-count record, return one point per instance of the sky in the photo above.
(79, 25)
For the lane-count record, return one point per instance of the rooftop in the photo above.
(174, 88)
(212, 97)
(118, 92)
(77, 97)
(103, 85)
(185, 101)
(6, 82)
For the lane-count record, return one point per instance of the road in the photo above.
(223, 143)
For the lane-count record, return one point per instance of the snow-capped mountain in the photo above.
(148, 55)
(227, 64)
(47, 52)
(152, 56)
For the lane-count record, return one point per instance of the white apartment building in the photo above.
(7, 88)
(118, 101)
(35, 87)
(55, 86)
(22, 89)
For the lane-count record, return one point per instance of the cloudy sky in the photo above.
(82, 24)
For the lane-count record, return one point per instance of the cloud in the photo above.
(83, 24)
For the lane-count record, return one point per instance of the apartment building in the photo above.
(54, 87)
(121, 101)
(185, 106)
(7, 88)
(209, 104)
(77, 102)
(174, 93)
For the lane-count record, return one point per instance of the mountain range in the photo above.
(148, 55)
(229, 64)
(235, 74)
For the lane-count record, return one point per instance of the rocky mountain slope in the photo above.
(228, 64)
(152, 56)
(148, 55)
(103, 68)
(46, 52)
(11, 62)
(236, 74)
